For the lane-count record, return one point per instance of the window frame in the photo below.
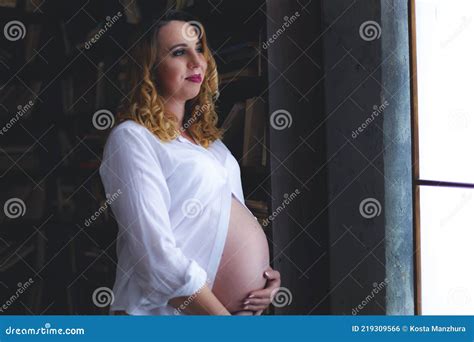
(417, 182)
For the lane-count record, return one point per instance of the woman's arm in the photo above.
(160, 268)
(203, 302)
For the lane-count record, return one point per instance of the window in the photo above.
(443, 71)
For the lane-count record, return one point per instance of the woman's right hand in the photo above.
(259, 300)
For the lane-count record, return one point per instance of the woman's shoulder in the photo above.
(128, 132)
(219, 147)
(129, 142)
(127, 126)
(131, 138)
(219, 144)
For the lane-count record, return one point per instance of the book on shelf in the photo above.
(122, 75)
(32, 41)
(89, 165)
(240, 60)
(27, 158)
(65, 144)
(237, 75)
(79, 95)
(239, 51)
(15, 255)
(8, 3)
(233, 127)
(235, 114)
(254, 153)
(180, 4)
(132, 12)
(122, 79)
(64, 202)
(100, 86)
(65, 38)
(260, 210)
(257, 206)
(67, 89)
(18, 100)
(33, 5)
(6, 58)
(35, 87)
(6, 96)
(245, 132)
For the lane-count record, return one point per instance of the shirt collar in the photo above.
(216, 148)
(183, 139)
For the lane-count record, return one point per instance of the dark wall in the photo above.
(346, 243)
(298, 155)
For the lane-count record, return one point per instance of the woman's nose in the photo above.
(194, 60)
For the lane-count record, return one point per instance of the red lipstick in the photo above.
(196, 78)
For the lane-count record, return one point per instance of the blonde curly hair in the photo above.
(145, 105)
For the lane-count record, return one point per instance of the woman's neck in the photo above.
(176, 108)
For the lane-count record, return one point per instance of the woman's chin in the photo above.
(192, 92)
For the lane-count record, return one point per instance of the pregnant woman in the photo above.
(187, 244)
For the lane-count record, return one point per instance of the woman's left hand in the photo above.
(259, 300)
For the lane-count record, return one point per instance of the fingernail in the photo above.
(246, 302)
(267, 274)
(251, 296)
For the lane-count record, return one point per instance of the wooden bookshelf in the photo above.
(70, 91)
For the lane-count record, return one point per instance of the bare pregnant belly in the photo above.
(244, 259)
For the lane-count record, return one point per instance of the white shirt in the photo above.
(173, 212)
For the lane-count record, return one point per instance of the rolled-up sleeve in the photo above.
(131, 169)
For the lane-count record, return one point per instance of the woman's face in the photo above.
(181, 66)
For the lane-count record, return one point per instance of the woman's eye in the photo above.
(179, 52)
